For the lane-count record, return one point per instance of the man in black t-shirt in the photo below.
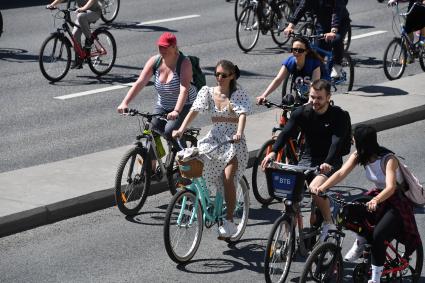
(324, 127)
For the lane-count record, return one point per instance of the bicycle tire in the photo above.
(422, 58)
(1, 24)
(54, 67)
(400, 61)
(274, 254)
(131, 197)
(314, 270)
(258, 179)
(416, 270)
(173, 172)
(246, 22)
(241, 213)
(347, 38)
(277, 35)
(239, 6)
(175, 212)
(346, 82)
(114, 11)
(103, 52)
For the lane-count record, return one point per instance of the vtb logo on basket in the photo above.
(283, 185)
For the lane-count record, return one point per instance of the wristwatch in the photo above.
(334, 30)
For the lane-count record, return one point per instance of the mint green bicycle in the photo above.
(193, 207)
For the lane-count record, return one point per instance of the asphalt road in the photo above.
(37, 128)
(106, 247)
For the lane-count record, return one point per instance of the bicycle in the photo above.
(343, 84)
(289, 154)
(402, 49)
(110, 9)
(134, 173)
(55, 52)
(193, 207)
(325, 262)
(288, 182)
(249, 24)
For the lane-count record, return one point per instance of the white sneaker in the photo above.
(336, 71)
(355, 252)
(325, 229)
(371, 281)
(227, 230)
(280, 25)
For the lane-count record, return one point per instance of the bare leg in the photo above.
(229, 187)
(322, 204)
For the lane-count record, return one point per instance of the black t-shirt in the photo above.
(324, 133)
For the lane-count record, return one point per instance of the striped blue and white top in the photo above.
(168, 93)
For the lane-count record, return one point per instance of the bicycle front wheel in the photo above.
(183, 226)
(279, 250)
(55, 57)
(110, 10)
(240, 215)
(422, 58)
(247, 29)
(239, 6)
(103, 52)
(344, 84)
(132, 181)
(395, 59)
(277, 35)
(324, 264)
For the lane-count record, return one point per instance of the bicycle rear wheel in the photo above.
(422, 58)
(277, 35)
(132, 181)
(279, 250)
(258, 178)
(414, 270)
(240, 215)
(110, 10)
(344, 84)
(103, 52)
(239, 6)
(183, 226)
(247, 29)
(395, 59)
(55, 57)
(324, 264)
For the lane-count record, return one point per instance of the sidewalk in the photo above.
(43, 194)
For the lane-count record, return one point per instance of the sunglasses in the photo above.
(223, 75)
(298, 50)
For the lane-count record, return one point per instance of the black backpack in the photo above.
(347, 141)
(198, 77)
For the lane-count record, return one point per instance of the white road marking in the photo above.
(168, 20)
(115, 87)
(368, 34)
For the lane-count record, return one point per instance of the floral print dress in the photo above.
(220, 132)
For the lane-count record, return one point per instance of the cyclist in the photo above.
(394, 216)
(304, 64)
(324, 127)
(276, 10)
(227, 105)
(175, 94)
(333, 20)
(89, 11)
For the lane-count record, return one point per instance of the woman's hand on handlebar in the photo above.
(260, 99)
(325, 168)
(177, 134)
(173, 115)
(122, 108)
(372, 204)
(269, 157)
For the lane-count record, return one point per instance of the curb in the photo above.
(99, 200)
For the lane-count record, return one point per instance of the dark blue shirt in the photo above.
(306, 73)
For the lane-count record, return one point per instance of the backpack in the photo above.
(198, 77)
(414, 191)
(347, 140)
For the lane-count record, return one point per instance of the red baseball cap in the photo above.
(167, 39)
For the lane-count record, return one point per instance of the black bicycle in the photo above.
(135, 171)
(259, 16)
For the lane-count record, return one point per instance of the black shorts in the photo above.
(311, 162)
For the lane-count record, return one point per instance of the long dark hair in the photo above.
(232, 69)
(367, 146)
(310, 52)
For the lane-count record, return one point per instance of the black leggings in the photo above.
(390, 226)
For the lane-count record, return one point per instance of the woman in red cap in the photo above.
(175, 92)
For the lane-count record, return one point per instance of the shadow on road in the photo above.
(381, 91)
(17, 55)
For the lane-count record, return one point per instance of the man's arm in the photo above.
(337, 13)
(288, 131)
(299, 12)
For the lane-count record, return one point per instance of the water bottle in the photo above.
(159, 147)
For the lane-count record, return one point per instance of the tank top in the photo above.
(168, 93)
(375, 174)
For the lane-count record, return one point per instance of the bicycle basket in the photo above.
(191, 168)
(285, 183)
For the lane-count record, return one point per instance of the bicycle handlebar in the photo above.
(135, 112)
(270, 104)
(310, 37)
(306, 169)
(339, 200)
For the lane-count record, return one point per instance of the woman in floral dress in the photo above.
(227, 105)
